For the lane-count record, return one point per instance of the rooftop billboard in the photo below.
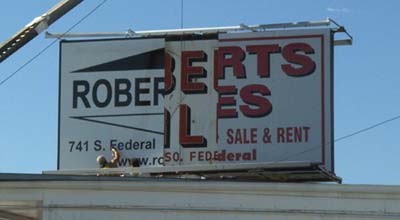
(231, 98)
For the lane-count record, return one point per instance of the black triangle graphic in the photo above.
(99, 121)
(149, 60)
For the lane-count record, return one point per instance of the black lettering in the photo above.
(139, 91)
(97, 144)
(113, 142)
(122, 92)
(80, 94)
(143, 161)
(123, 162)
(96, 86)
(157, 90)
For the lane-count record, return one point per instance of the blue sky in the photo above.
(366, 73)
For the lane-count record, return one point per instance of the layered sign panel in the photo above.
(232, 98)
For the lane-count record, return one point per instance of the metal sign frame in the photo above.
(178, 35)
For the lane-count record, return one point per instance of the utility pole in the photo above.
(35, 27)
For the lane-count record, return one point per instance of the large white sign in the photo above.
(257, 97)
(251, 98)
(111, 96)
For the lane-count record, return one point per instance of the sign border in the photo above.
(321, 36)
(323, 101)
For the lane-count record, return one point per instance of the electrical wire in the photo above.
(340, 138)
(181, 14)
(104, 1)
(367, 128)
(52, 43)
(181, 97)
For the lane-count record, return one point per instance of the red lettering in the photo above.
(189, 72)
(263, 57)
(208, 155)
(281, 135)
(201, 155)
(167, 129)
(192, 155)
(246, 156)
(167, 156)
(248, 96)
(245, 139)
(222, 156)
(289, 134)
(298, 134)
(229, 133)
(185, 138)
(238, 155)
(290, 54)
(306, 129)
(238, 137)
(169, 78)
(230, 156)
(293, 134)
(216, 156)
(226, 101)
(236, 56)
(253, 135)
(241, 136)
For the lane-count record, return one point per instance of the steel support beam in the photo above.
(35, 27)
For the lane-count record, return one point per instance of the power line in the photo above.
(181, 14)
(182, 5)
(52, 43)
(341, 138)
(367, 128)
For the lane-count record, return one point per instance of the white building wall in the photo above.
(149, 199)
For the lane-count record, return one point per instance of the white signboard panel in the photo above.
(111, 96)
(251, 98)
(237, 98)
(190, 103)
